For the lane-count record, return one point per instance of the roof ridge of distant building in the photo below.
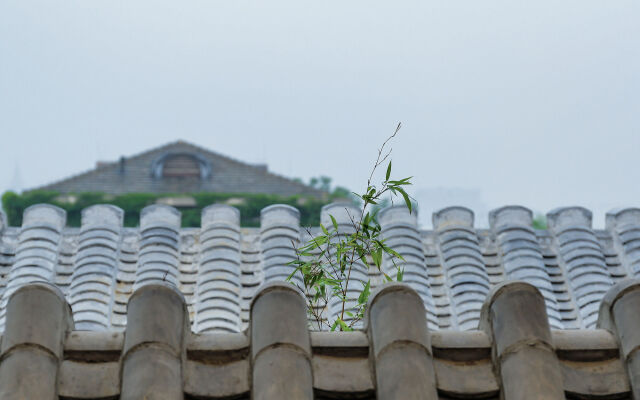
(112, 165)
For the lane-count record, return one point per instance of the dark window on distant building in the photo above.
(182, 166)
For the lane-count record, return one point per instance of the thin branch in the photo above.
(380, 150)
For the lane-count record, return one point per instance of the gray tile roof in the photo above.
(514, 355)
(219, 266)
(137, 174)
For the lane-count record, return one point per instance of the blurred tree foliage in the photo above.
(540, 222)
(249, 205)
(324, 183)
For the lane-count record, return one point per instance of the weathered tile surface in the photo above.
(219, 266)
(513, 356)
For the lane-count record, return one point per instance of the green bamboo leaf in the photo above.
(364, 295)
(343, 325)
(401, 182)
(406, 198)
(367, 219)
(334, 222)
(377, 257)
(292, 274)
(388, 171)
(326, 232)
(394, 253)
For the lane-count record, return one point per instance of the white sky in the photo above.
(528, 102)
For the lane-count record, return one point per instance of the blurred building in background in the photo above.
(180, 167)
(180, 175)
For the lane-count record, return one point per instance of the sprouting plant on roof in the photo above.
(331, 258)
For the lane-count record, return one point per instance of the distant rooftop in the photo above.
(180, 167)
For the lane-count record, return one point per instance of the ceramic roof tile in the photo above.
(400, 232)
(219, 286)
(581, 256)
(512, 355)
(521, 254)
(566, 329)
(467, 277)
(219, 267)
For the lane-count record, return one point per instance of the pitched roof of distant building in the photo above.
(180, 167)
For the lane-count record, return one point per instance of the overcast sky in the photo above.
(528, 102)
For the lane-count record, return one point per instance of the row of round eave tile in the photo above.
(99, 265)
